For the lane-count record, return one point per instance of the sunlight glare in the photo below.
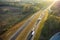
(56, 0)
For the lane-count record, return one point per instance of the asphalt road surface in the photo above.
(14, 36)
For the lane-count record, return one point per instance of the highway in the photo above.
(32, 32)
(43, 18)
(44, 15)
(22, 33)
(27, 30)
(14, 36)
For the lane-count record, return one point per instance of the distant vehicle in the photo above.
(33, 29)
(33, 32)
(30, 35)
(39, 18)
(38, 21)
(56, 36)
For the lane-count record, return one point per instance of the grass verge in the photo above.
(13, 29)
(40, 26)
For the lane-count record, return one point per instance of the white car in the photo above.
(39, 18)
(33, 32)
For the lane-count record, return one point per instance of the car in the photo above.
(33, 29)
(33, 32)
(39, 19)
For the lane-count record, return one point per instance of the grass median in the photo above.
(14, 28)
(40, 26)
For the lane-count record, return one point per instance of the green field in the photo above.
(12, 14)
(52, 24)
